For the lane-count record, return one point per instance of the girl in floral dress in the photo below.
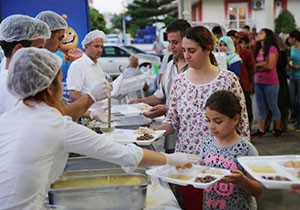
(189, 93)
(221, 150)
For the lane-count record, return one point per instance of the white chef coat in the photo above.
(34, 146)
(84, 74)
(7, 100)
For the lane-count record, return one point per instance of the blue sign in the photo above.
(77, 12)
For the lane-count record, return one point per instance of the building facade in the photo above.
(234, 14)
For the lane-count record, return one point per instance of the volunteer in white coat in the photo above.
(35, 137)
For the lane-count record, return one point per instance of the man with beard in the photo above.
(159, 100)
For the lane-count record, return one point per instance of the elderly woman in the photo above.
(35, 137)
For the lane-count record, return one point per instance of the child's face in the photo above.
(223, 47)
(221, 126)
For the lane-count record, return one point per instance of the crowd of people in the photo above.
(38, 130)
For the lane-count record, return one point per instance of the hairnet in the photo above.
(22, 27)
(31, 70)
(91, 36)
(54, 20)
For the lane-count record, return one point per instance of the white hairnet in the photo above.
(22, 27)
(31, 70)
(91, 36)
(54, 20)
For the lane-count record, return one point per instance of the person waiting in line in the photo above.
(217, 31)
(131, 71)
(237, 187)
(33, 32)
(247, 71)
(189, 93)
(36, 138)
(294, 85)
(158, 47)
(266, 84)
(160, 99)
(233, 59)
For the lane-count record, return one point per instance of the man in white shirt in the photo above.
(175, 32)
(86, 71)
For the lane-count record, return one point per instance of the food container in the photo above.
(189, 176)
(87, 163)
(274, 172)
(107, 189)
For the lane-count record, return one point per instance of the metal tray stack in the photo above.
(127, 196)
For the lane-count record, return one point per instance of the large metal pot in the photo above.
(119, 197)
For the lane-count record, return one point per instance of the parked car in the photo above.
(114, 59)
(112, 38)
(137, 50)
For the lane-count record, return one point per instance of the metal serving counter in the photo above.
(158, 195)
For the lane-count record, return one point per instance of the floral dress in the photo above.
(186, 111)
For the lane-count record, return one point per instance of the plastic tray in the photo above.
(126, 136)
(272, 166)
(129, 109)
(166, 172)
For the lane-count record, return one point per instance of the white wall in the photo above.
(294, 7)
(213, 11)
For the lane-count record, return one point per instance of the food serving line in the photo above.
(90, 184)
(106, 185)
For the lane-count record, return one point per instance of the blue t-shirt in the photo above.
(295, 57)
(64, 68)
(226, 195)
(235, 68)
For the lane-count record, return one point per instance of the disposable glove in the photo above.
(180, 158)
(101, 91)
(100, 115)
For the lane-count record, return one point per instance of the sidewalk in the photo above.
(288, 143)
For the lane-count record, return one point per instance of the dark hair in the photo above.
(204, 38)
(232, 33)
(269, 41)
(244, 39)
(295, 34)
(45, 97)
(217, 30)
(178, 25)
(8, 47)
(246, 27)
(224, 102)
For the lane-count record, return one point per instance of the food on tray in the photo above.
(262, 169)
(144, 107)
(292, 164)
(205, 179)
(276, 178)
(145, 137)
(207, 170)
(179, 177)
(185, 166)
(145, 130)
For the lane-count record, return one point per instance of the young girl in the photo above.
(221, 149)
(233, 59)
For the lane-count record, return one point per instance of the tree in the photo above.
(285, 21)
(147, 12)
(97, 20)
(116, 21)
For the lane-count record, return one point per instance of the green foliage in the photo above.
(116, 21)
(97, 21)
(147, 12)
(285, 21)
